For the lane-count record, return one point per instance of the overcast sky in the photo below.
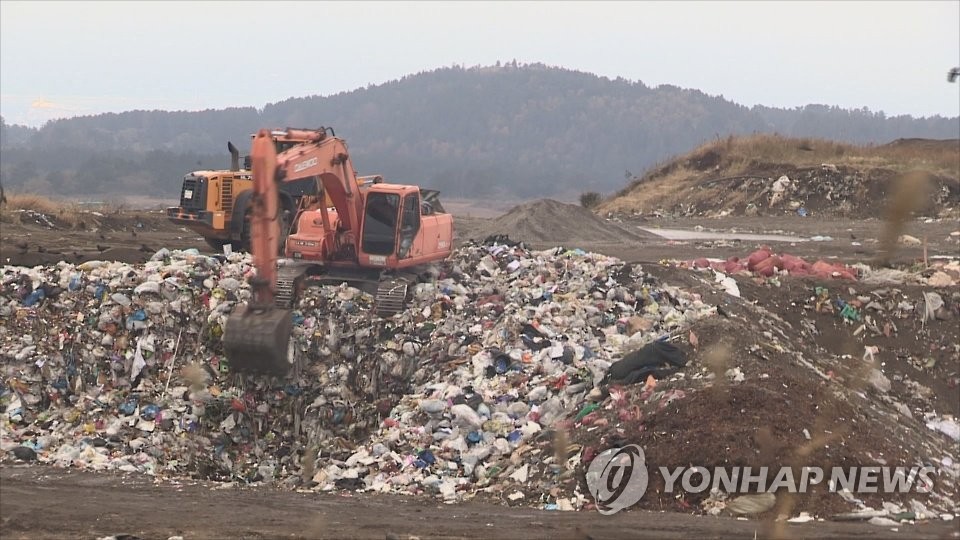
(74, 58)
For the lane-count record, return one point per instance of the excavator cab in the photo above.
(380, 223)
(403, 227)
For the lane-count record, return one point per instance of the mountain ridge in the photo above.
(509, 131)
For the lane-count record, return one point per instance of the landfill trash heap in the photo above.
(113, 366)
(117, 366)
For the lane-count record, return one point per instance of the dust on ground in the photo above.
(41, 502)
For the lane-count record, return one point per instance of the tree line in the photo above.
(499, 131)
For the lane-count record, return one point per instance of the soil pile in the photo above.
(548, 222)
(784, 377)
(773, 176)
(776, 190)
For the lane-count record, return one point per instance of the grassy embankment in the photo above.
(758, 154)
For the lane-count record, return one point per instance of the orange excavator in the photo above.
(377, 236)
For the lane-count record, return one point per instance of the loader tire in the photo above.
(245, 234)
(245, 231)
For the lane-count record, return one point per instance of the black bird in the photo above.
(102, 248)
(146, 249)
(41, 249)
(953, 74)
(852, 236)
(134, 233)
(102, 237)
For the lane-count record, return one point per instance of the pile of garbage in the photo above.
(510, 370)
(777, 189)
(113, 366)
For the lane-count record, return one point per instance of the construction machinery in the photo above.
(215, 204)
(374, 235)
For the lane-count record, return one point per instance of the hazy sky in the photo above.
(64, 59)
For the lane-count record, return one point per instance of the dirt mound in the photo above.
(551, 222)
(776, 190)
(926, 144)
(783, 382)
(776, 176)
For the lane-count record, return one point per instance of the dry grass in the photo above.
(32, 201)
(939, 157)
(66, 213)
(735, 156)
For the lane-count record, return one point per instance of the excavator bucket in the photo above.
(258, 340)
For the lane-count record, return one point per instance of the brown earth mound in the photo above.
(767, 175)
(808, 397)
(549, 222)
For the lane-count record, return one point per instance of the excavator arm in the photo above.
(264, 219)
(257, 335)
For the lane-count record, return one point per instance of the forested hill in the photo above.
(479, 132)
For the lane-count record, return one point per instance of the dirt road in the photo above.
(40, 502)
(133, 236)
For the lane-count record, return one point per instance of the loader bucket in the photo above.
(257, 340)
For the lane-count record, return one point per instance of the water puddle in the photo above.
(688, 234)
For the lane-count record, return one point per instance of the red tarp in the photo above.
(764, 262)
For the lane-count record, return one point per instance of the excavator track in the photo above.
(391, 296)
(289, 284)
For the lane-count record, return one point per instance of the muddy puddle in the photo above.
(689, 234)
